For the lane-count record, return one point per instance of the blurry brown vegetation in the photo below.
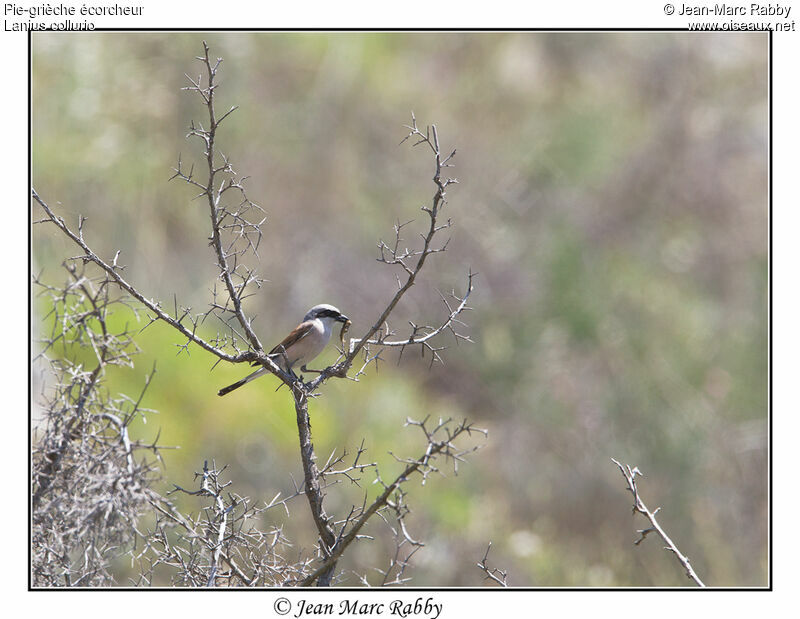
(613, 199)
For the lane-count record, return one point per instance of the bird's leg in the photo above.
(305, 369)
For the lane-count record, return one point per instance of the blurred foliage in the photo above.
(613, 198)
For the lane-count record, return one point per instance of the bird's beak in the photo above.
(342, 318)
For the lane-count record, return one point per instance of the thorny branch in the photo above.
(440, 442)
(246, 234)
(114, 272)
(234, 236)
(639, 507)
(493, 573)
(411, 263)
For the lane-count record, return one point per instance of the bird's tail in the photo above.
(244, 381)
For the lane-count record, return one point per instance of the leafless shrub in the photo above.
(90, 480)
(223, 545)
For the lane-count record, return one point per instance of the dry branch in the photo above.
(639, 507)
(411, 262)
(440, 442)
(492, 573)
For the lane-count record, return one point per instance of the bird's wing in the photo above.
(299, 332)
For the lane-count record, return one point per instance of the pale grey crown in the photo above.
(323, 310)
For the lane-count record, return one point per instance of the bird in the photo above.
(302, 345)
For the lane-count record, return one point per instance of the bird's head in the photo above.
(325, 313)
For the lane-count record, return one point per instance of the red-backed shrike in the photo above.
(303, 344)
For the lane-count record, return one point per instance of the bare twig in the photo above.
(394, 574)
(422, 335)
(639, 507)
(496, 574)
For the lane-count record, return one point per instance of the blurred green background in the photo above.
(612, 198)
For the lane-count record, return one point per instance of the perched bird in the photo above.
(303, 344)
